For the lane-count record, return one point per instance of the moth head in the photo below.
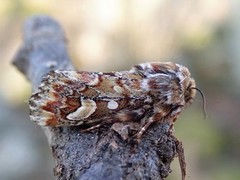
(189, 91)
(171, 82)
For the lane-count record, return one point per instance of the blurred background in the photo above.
(203, 35)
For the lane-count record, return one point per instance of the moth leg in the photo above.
(92, 128)
(181, 156)
(156, 117)
(144, 128)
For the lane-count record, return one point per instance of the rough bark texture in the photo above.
(101, 154)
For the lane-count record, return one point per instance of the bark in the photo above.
(101, 154)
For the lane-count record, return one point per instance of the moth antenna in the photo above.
(204, 101)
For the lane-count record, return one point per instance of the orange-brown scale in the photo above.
(70, 105)
(57, 87)
(86, 77)
(101, 110)
(56, 95)
(106, 85)
(69, 82)
(51, 106)
(135, 84)
(132, 84)
(52, 121)
(157, 68)
(125, 91)
(88, 92)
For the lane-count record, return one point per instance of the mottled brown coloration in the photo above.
(162, 90)
(87, 108)
(148, 93)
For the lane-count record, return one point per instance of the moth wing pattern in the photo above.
(156, 91)
(68, 98)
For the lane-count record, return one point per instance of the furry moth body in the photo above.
(155, 91)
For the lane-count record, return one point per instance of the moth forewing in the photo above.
(157, 91)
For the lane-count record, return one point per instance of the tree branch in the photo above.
(101, 154)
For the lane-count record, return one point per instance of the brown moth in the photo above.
(157, 91)
(152, 92)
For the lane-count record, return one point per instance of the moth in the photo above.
(156, 91)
